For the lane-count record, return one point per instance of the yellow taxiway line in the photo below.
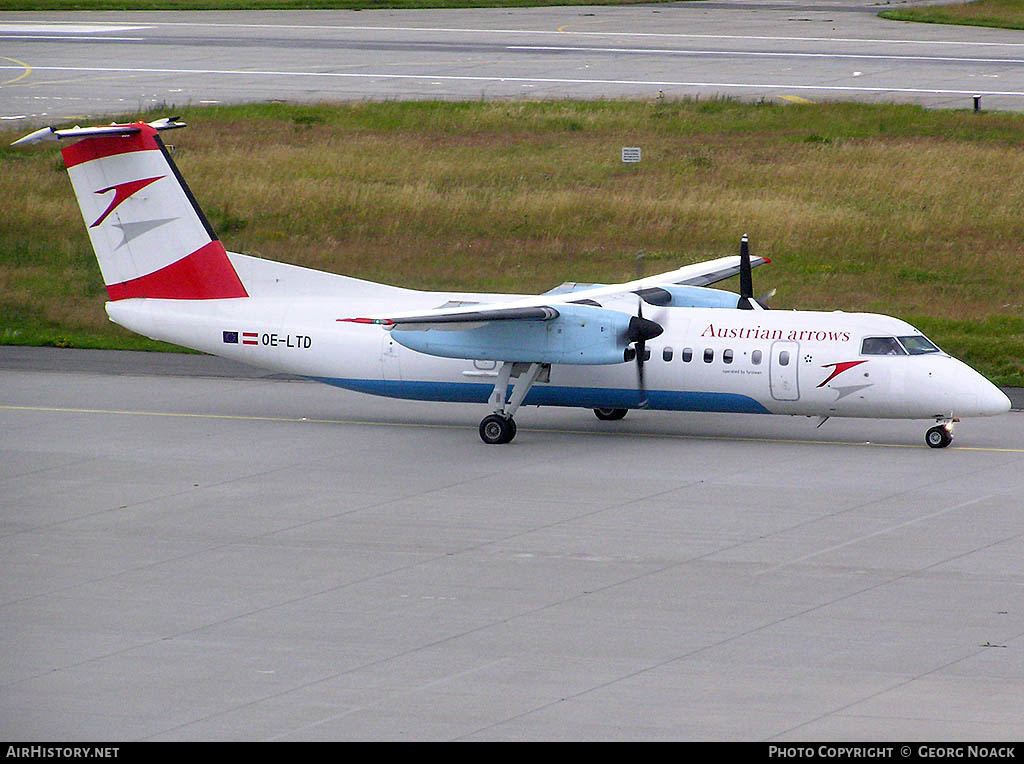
(23, 75)
(548, 430)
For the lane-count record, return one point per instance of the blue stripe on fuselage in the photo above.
(548, 395)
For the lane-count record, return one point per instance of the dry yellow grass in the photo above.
(889, 209)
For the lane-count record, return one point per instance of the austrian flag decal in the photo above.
(248, 338)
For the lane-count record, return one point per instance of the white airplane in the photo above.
(661, 342)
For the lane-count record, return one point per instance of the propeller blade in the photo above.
(641, 351)
(640, 330)
(746, 280)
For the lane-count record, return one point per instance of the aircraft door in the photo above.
(784, 370)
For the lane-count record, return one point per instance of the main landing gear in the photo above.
(499, 428)
(610, 415)
(941, 435)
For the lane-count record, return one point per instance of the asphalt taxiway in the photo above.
(191, 551)
(56, 67)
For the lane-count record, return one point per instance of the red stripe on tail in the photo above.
(95, 148)
(206, 274)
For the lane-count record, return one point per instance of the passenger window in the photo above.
(784, 358)
(727, 356)
(881, 346)
(666, 354)
(687, 355)
(709, 355)
(755, 358)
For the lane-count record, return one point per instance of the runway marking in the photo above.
(544, 80)
(66, 38)
(543, 430)
(68, 28)
(546, 32)
(764, 54)
(795, 99)
(23, 75)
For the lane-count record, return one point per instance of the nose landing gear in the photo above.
(941, 435)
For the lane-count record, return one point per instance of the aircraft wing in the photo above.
(462, 317)
(708, 272)
(546, 307)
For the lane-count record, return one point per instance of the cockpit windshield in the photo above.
(918, 344)
(912, 344)
(881, 346)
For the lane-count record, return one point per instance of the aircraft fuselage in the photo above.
(743, 361)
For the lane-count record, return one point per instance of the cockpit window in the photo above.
(918, 344)
(881, 346)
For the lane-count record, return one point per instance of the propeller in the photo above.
(747, 300)
(638, 332)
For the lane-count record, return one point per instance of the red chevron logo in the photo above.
(839, 369)
(122, 191)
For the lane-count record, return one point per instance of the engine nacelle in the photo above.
(673, 296)
(581, 335)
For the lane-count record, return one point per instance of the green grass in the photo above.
(236, 5)
(1006, 14)
(883, 208)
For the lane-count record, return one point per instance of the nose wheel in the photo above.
(939, 436)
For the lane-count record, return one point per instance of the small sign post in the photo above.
(630, 155)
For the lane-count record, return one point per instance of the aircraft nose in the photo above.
(971, 394)
(993, 401)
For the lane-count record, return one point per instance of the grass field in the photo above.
(891, 209)
(1007, 14)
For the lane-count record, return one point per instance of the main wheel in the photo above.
(497, 429)
(938, 437)
(610, 415)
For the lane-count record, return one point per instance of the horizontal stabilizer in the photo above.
(49, 134)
